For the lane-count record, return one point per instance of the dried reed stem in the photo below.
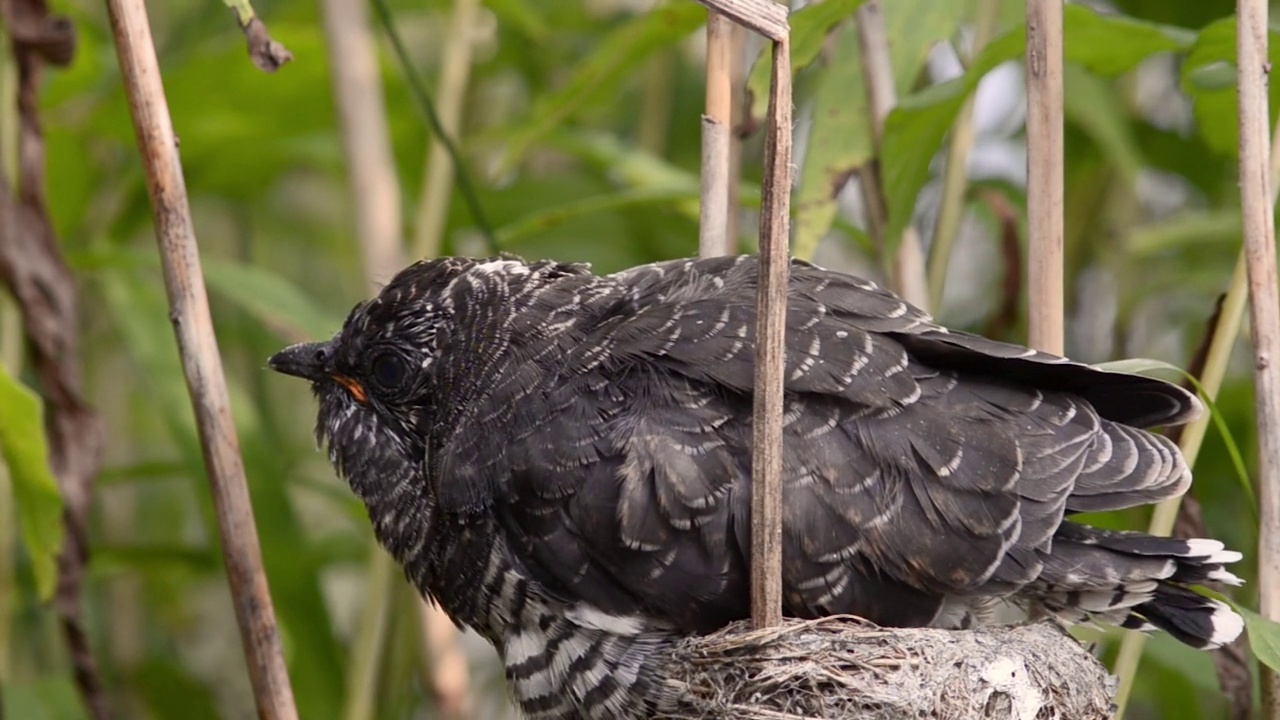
(717, 121)
(201, 363)
(451, 91)
(771, 314)
(1225, 334)
(770, 20)
(366, 144)
(1044, 175)
(375, 191)
(764, 16)
(1264, 306)
(368, 643)
(375, 198)
(738, 86)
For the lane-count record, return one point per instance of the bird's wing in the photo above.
(917, 463)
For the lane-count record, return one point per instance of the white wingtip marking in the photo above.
(1212, 551)
(1225, 577)
(1227, 624)
(1203, 547)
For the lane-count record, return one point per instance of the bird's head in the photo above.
(375, 380)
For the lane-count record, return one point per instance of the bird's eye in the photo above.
(388, 371)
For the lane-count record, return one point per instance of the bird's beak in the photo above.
(304, 360)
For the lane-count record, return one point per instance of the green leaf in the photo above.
(273, 300)
(1177, 234)
(1113, 44)
(547, 218)
(1209, 79)
(914, 131)
(915, 27)
(617, 53)
(1142, 366)
(39, 503)
(625, 163)
(839, 143)
(52, 697)
(810, 26)
(1091, 104)
(1264, 637)
(522, 15)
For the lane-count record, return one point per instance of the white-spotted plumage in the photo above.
(566, 467)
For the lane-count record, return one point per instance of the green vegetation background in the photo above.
(582, 133)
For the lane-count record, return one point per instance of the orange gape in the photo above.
(355, 388)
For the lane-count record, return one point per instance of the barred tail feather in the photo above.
(1140, 582)
(1198, 621)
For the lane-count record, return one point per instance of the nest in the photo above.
(845, 667)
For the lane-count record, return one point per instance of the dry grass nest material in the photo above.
(845, 667)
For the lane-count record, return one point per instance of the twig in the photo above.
(201, 364)
(267, 54)
(955, 178)
(428, 109)
(1264, 305)
(366, 145)
(455, 72)
(771, 315)
(1044, 175)
(907, 268)
(32, 266)
(770, 20)
(717, 121)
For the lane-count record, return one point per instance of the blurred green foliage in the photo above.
(561, 91)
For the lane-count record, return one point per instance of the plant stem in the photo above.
(770, 351)
(1224, 339)
(955, 178)
(366, 143)
(201, 361)
(717, 120)
(1162, 519)
(375, 195)
(1044, 175)
(907, 270)
(455, 73)
(1264, 306)
(428, 108)
(655, 109)
(737, 80)
(11, 358)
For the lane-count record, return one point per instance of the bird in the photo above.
(562, 461)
